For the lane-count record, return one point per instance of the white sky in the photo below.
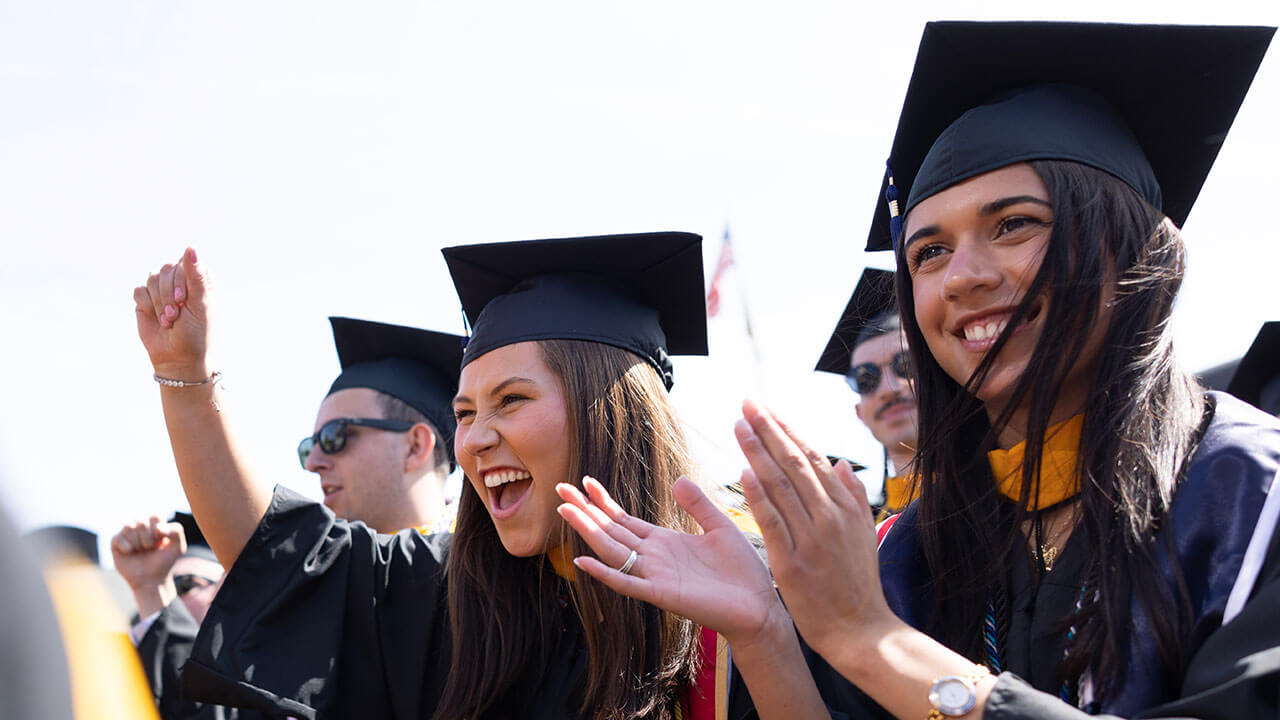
(318, 155)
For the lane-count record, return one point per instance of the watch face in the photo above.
(953, 696)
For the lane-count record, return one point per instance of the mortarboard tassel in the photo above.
(891, 197)
(466, 328)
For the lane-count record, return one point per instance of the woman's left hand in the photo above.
(716, 579)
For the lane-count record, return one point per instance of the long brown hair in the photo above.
(503, 609)
(1142, 422)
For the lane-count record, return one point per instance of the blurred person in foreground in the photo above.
(106, 678)
(34, 681)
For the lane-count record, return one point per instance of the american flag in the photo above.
(722, 266)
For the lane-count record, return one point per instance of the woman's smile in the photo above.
(507, 489)
(980, 330)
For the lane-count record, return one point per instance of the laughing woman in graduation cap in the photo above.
(1094, 532)
(565, 374)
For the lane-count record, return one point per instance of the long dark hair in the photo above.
(505, 610)
(1141, 423)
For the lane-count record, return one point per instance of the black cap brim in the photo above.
(1177, 88)
(641, 292)
(871, 299)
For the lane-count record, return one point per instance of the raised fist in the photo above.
(145, 551)
(173, 319)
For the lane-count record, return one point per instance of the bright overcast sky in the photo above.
(319, 155)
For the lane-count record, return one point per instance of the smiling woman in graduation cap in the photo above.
(566, 373)
(1095, 533)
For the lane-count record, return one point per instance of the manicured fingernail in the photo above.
(191, 255)
(169, 311)
(178, 293)
(577, 563)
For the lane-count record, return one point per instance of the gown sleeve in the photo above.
(164, 649)
(1235, 674)
(321, 618)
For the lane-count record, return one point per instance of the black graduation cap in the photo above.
(58, 541)
(55, 541)
(1257, 378)
(197, 545)
(1150, 104)
(418, 367)
(640, 292)
(872, 300)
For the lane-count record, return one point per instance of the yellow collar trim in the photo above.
(562, 563)
(897, 491)
(1058, 478)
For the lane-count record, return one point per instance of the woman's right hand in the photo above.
(173, 319)
(820, 535)
(144, 551)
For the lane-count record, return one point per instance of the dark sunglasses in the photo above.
(865, 378)
(187, 583)
(332, 436)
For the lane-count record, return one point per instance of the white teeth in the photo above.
(983, 332)
(502, 477)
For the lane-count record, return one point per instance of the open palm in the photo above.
(715, 579)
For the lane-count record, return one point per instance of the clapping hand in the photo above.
(818, 530)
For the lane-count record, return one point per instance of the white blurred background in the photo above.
(319, 154)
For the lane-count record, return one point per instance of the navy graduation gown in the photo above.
(1234, 669)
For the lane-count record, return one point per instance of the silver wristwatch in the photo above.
(952, 696)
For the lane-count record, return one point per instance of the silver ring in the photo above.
(630, 563)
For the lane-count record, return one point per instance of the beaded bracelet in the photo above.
(211, 381)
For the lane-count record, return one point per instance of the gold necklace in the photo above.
(1048, 553)
(1056, 532)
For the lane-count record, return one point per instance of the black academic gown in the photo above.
(1234, 669)
(164, 649)
(320, 618)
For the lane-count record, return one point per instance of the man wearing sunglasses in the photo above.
(383, 438)
(868, 347)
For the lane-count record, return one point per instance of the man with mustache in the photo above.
(869, 348)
